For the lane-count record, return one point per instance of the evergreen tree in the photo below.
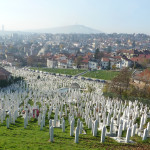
(96, 55)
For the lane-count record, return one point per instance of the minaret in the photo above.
(2, 28)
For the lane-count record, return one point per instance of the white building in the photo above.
(51, 63)
(62, 64)
(123, 63)
(70, 63)
(105, 63)
(93, 64)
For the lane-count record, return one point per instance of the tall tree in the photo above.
(96, 55)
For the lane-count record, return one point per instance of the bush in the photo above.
(5, 83)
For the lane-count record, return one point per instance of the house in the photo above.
(71, 60)
(52, 63)
(61, 57)
(62, 64)
(84, 64)
(124, 62)
(105, 63)
(141, 78)
(113, 61)
(4, 74)
(70, 63)
(93, 64)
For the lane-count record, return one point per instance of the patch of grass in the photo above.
(138, 121)
(30, 102)
(16, 137)
(108, 128)
(124, 133)
(137, 138)
(102, 74)
(61, 71)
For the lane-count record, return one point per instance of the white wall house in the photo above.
(112, 63)
(92, 64)
(51, 63)
(123, 63)
(70, 63)
(62, 64)
(104, 63)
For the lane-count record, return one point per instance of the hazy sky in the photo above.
(126, 16)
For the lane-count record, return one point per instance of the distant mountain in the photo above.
(68, 29)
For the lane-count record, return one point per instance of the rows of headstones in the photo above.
(110, 116)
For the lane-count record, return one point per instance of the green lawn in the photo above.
(61, 71)
(18, 138)
(102, 74)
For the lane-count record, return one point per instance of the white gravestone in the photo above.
(103, 134)
(128, 135)
(51, 134)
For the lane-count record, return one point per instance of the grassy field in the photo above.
(61, 71)
(99, 74)
(102, 74)
(18, 138)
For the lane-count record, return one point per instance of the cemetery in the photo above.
(44, 111)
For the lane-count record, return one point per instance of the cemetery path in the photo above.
(82, 73)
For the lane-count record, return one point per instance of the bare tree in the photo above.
(121, 83)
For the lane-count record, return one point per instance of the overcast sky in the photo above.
(125, 16)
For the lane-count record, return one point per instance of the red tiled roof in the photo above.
(138, 59)
(127, 51)
(117, 57)
(105, 59)
(85, 60)
(63, 61)
(145, 75)
(107, 55)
